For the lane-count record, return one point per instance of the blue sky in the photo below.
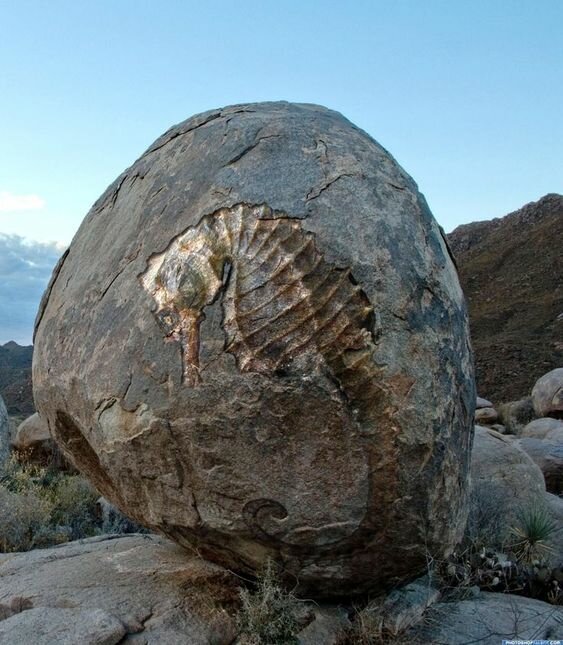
(467, 96)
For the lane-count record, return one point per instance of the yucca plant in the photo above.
(533, 532)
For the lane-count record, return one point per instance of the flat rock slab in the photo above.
(127, 589)
(488, 620)
(48, 625)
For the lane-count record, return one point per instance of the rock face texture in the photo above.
(489, 619)
(15, 378)
(510, 271)
(35, 444)
(4, 433)
(506, 472)
(547, 394)
(257, 345)
(120, 589)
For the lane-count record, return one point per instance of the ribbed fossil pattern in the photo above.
(285, 308)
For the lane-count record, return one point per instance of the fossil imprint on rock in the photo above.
(282, 301)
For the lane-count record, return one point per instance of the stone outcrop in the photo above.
(510, 272)
(547, 394)
(15, 378)
(257, 345)
(125, 589)
(4, 433)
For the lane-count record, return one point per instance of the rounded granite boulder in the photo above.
(547, 394)
(258, 346)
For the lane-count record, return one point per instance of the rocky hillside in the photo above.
(511, 270)
(15, 378)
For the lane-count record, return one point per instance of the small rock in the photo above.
(486, 415)
(482, 403)
(404, 607)
(547, 394)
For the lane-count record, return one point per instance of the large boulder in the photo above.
(257, 345)
(100, 590)
(544, 428)
(34, 444)
(4, 433)
(499, 465)
(505, 482)
(548, 455)
(547, 394)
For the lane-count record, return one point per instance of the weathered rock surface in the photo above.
(547, 394)
(142, 589)
(544, 428)
(504, 482)
(4, 433)
(486, 416)
(489, 619)
(15, 378)
(482, 403)
(547, 453)
(404, 607)
(257, 344)
(498, 464)
(554, 505)
(48, 625)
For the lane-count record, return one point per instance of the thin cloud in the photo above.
(25, 269)
(10, 202)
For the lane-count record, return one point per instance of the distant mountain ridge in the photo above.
(15, 378)
(511, 270)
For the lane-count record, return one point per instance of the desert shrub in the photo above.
(74, 506)
(269, 613)
(42, 506)
(504, 553)
(24, 518)
(367, 626)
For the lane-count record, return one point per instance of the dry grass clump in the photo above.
(269, 613)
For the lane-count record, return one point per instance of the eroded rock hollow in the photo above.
(258, 346)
